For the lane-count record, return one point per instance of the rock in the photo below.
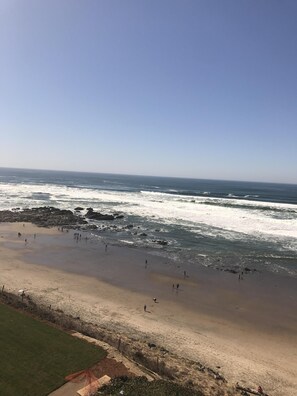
(143, 234)
(98, 216)
(232, 271)
(160, 242)
(119, 216)
(89, 227)
(78, 209)
(46, 216)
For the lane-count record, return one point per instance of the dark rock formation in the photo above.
(89, 227)
(232, 271)
(160, 242)
(46, 216)
(98, 216)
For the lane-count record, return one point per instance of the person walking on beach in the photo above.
(106, 248)
(145, 264)
(144, 308)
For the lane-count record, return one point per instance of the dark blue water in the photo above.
(255, 191)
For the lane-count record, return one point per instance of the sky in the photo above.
(188, 88)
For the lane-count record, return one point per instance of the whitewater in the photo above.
(235, 223)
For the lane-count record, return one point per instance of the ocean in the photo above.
(221, 224)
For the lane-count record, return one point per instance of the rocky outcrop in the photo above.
(160, 242)
(46, 216)
(91, 214)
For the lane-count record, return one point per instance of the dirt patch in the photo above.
(112, 368)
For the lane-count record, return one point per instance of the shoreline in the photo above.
(248, 328)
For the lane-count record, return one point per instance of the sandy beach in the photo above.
(247, 328)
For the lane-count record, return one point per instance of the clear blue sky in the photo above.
(202, 88)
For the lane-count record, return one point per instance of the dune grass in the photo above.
(35, 357)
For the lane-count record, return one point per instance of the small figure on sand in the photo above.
(185, 274)
(145, 264)
(144, 308)
(22, 293)
(105, 247)
(177, 286)
(154, 299)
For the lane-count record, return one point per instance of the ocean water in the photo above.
(224, 224)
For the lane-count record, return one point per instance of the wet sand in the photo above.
(248, 328)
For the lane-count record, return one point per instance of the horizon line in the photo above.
(140, 175)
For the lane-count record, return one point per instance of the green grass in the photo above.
(35, 357)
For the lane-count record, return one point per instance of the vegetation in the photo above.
(141, 386)
(36, 357)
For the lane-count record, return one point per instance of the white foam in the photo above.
(124, 241)
(245, 217)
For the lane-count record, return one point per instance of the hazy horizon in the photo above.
(141, 175)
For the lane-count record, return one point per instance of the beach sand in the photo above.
(246, 330)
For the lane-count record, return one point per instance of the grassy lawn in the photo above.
(35, 357)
